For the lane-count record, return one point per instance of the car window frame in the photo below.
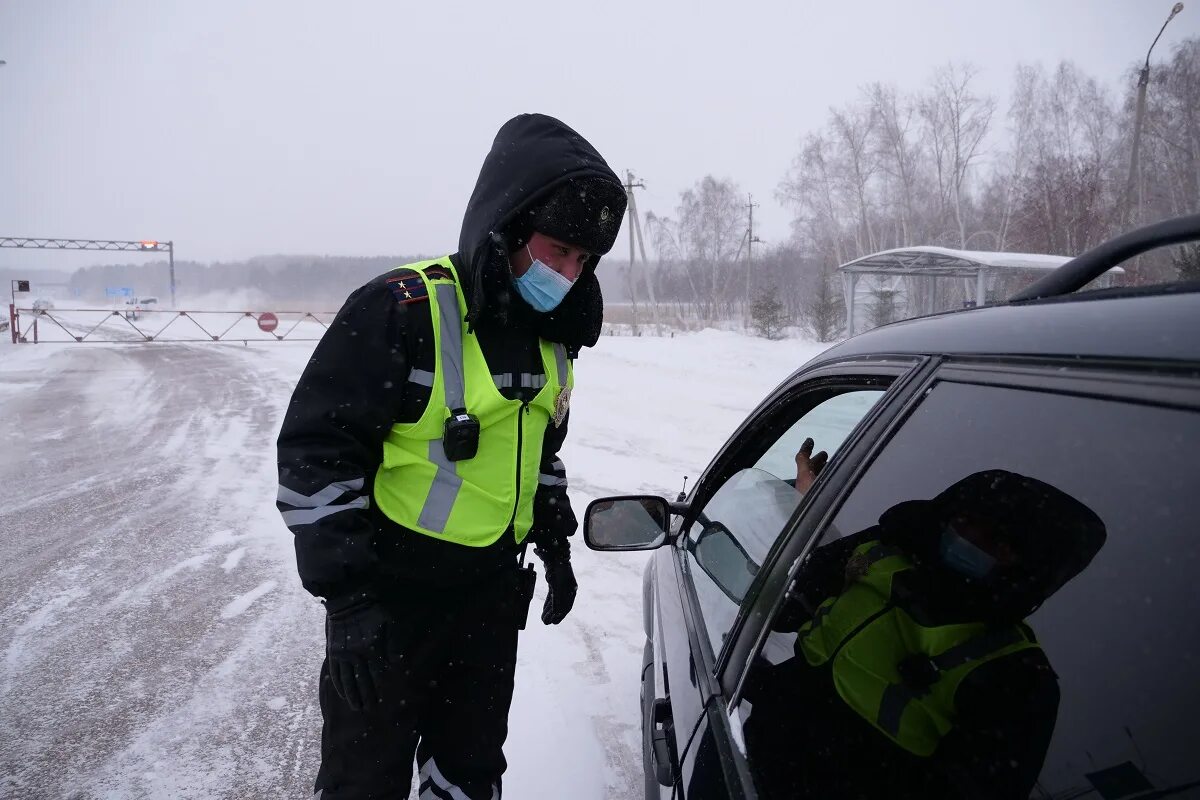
(758, 426)
(891, 373)
(1166, 385)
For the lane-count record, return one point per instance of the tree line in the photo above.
(943, 165)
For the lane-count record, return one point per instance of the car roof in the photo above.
(1157, 323)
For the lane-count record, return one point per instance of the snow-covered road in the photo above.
(156, 644)
(154, 639)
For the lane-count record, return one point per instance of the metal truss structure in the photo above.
(143, 246)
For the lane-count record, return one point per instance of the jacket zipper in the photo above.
(523, 362)
(512, 521)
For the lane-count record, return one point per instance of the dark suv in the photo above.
(991, 588)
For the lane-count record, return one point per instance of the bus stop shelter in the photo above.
(925, 280)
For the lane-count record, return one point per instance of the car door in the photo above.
(1095, 463)
(737, 510)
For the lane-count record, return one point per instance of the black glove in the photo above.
(355, 646)
(560, 580)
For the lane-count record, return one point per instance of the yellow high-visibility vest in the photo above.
(473, 501)
(867, 636)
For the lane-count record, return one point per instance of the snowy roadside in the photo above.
(230, 709)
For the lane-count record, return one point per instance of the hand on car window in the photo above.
(808, 466)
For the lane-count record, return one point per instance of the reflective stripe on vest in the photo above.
(472, 501)
(867, 637)
(446, 482)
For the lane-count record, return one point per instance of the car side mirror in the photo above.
(724, 559)
(632, 522)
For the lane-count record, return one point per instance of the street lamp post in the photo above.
(1143, 82)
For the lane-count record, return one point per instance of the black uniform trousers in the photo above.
(446, 694)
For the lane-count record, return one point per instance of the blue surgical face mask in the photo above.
(964, 557)
(542, 287)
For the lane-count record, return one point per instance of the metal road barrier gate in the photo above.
(139, 326)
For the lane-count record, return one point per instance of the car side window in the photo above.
(736, 528)
(1004, 606)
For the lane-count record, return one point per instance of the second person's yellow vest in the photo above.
(867, 636)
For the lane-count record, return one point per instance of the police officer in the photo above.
(419, 457)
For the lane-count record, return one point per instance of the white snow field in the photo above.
(154, 638)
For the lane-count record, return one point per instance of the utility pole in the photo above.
(631, 210)
(750, 240)
(1143, 82)
(641, 241)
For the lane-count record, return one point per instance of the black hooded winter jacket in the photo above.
(356, 387)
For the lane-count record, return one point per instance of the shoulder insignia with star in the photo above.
(407, 287)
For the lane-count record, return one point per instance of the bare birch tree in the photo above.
(957, 121)
(703, 240)
(899, 154)
(851, 129)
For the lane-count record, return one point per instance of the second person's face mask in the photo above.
(542, 287)
(964, 557)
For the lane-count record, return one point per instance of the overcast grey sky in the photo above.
(243, 127)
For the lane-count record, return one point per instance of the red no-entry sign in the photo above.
(268, 321)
